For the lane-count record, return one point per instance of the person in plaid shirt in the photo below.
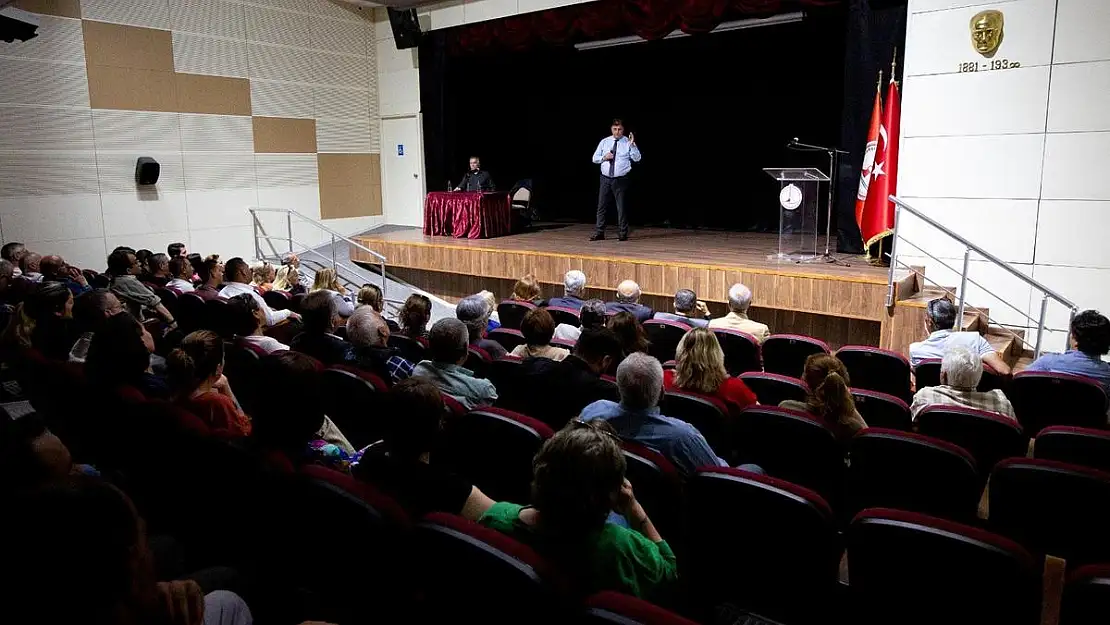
(368, 334)
(960, 371)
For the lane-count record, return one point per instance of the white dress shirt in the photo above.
(623, 156)
(273, 317)
(182, 286)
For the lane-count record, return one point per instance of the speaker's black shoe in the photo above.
(598, 236)
(623, 237)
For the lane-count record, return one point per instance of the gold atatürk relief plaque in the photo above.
(987, 32)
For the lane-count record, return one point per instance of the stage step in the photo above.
(1010, 347)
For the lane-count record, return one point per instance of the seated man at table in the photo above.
(477, 179)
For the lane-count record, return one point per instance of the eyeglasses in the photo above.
(579, 424)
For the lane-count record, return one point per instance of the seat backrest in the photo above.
(1042, 399)
(882, 410)
(168, 297)
(927, 373)
(911, 568)
(1083, 446)
(772, 388)
(786, 354)
(508, 338)
(877, 369)
(511, 313)
(789, 445)
(615, 608)
(478, 360)
(708, 414)
(408, 348)
(277, 300)
(760, 543)
(987, 436)
(742, 352)
(1053, 508)
(356, 401)
(218, 317)
(1086, 599)
(664, 336)
(191, 311)
(493, 448)
(907, 471)
(566, 344)
(505, 375)
(569, 316)
(241, 368)
(658, 486)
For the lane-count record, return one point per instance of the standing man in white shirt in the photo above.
(615, 155)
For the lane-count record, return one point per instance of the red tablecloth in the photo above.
(467, 214)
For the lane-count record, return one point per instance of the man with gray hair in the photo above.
(628, 300)
(574, 291)
(474, 312)
(687, 309)
(447, 345)
(960, 371)
(368, 334)
(592, 317)
(739, 299)
(637, 417)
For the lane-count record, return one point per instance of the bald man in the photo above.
(55, 268)
(628, 300)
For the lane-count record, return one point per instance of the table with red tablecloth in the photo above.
(467, 214)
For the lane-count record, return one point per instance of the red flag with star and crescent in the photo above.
(877, 219)
(869, 153)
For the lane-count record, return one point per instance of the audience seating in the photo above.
(508, 338)
(786, 354)
(191, 314)
(708, 414)
(913, 569)
(241, 368)
(452, 406)
(741, 351)
(762, 544)
(882, 410)
(168, 297)
(217, 317)
(295, 302)
(907, 471)
(1053, 508)
(408, 348)
(277, 300)
(357, 402)
(877, 369)
(658, 487)
(505, 375)
(987, 436)
(478, 360)
(566, 344)
(1043, 399)
(569, 316)
(510, 313)
(772, 389)
(494, 448)
(664, 336)
(1086, 599)
(927, 373)
(789, 445)
(613, 608)
(1082, 446)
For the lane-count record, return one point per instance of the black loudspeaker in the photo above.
(146, 170)
(406, 28)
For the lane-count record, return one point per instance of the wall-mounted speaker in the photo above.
(146, 171)
(406, 28)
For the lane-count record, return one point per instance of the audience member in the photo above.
(701, 369)
(402, 466)
(238, 281)
(328, 282)
(288, 279)
(687, 309)
(56, 269)
(637, 416)
(247, 322)
(1088, 341)
(143, 256)
(578, 480)
(196, 375)
(447, 346)
(124, 267)
(181, 275)
(739, 299)
(370, 295)
(31, 266)
(211, 274)
(527, 289)
(474, 311)
(159, 266)
(321, 317)
(538, 328)
(31, 456)
(82, 556)
(174, 250)
(119, 355)
(262, 275)
(369, 338)
(7, 275)
(491, 302)
(294, 424)
(13, 252)
(51, 308)
(940, 319)
(830, 397)
(556, 391)
(196, 261)
(628, 300)
(591, 315)
(90, 310)
(416, 313)
(574, 291)
(960, 371)
(630, 333)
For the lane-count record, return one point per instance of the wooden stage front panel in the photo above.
(842, 304)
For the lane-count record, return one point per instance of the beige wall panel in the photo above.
(284, 135)
(350, 185)
(131, 89)
(116, 45)
(217, 95)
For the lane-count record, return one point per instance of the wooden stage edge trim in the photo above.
(364, 240)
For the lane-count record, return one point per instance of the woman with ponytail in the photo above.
(829, 396)
(196, 374)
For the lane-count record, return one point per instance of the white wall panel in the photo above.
(342, 70)
(972, 167)
(136, 131)
(116, 170)
(148, 13)
(919, 6)
(447, 15)
(1081, 31)
(51, 218)
(1008, 289)
(135, 213)
(87, 253)
(1005, 228)
(152, 240)
(941, 40)
(1080, 97)
(340, 36)
(342, 11)
(36, 128)
(220, 209)
(1073, 233)
(343, 135)
(399, 93)
(391, 60)
(335, 102)
(279, 63)
(219, 18)
(278, 27)
(216, 133)
(285, 170)
(48, 173)
(281, 99)
(209, 171)
(1075, 167)
(59, 40)
(228, 242)
(201, 54)
(992, 103)
(482, 10)
(302, 6)
(41, 83)
(1084, 286)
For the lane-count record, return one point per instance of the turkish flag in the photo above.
(877, 219)
(869, 154)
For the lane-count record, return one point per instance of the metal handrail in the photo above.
(289, 211)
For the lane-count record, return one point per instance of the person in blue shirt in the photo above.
(1089, 342)
(615, 155)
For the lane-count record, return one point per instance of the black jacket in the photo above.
(476, 181)
(556, 391)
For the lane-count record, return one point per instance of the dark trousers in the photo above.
(614, 188)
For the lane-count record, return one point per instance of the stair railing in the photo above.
(969, 247)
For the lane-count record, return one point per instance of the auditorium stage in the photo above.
(841, 304)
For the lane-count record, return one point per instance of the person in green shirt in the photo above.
(578, 480)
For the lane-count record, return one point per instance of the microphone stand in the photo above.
(833, 154)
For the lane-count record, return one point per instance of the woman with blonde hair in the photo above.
(328, 280)
(830, 397)
(196, 375)
(701, 369)
(288, 278)
(527, 289)
(262, 275)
